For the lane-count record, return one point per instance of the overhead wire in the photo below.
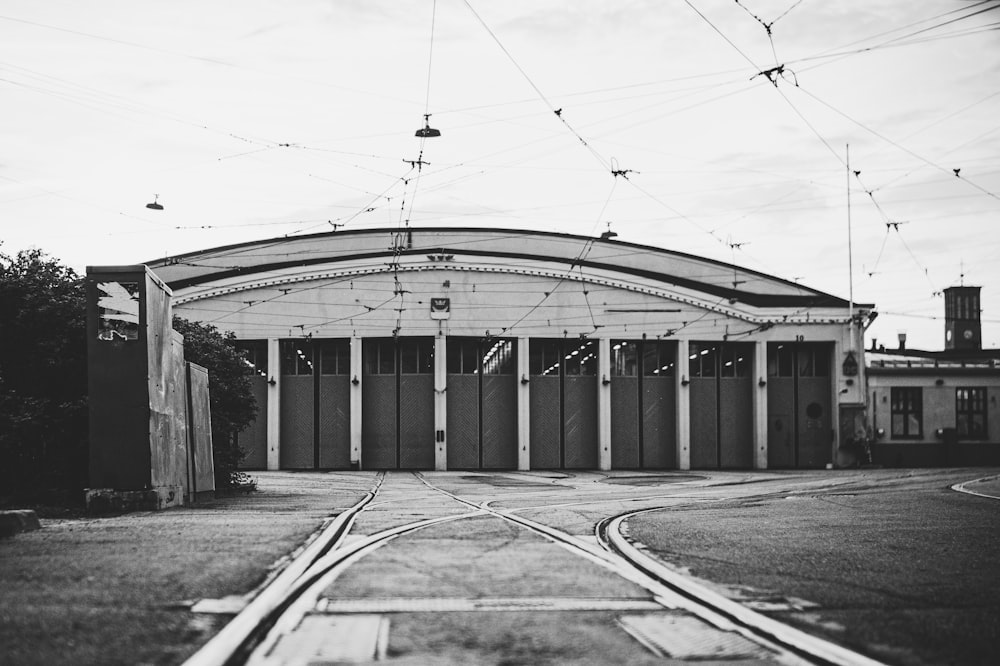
(838, 53)
(606, 202)
(779, 68)
(541, 95)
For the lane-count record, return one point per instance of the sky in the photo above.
(852, 146)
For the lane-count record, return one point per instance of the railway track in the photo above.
(280, 608)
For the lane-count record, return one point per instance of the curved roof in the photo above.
(668, 267)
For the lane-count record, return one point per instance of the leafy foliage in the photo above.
(232, 403)
(43, 382)
(43, 375)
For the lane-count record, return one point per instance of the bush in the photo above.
(43, 383)
(43, 376)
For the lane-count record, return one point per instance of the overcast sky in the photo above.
(729, 125)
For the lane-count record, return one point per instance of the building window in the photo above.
(416, 357)
(701, 359)
(970, 413)
(380, 357)
(335, 357)
(544, 358)
(658, 359)
(581, 359)
(735, 361)
(296, 357)
(472, 356)
(254, 355)
(907, 412)
(624, 358)
(500, 358)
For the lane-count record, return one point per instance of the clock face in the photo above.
(967, 334)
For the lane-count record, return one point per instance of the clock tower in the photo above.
(962, 326)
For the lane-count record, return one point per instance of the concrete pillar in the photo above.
(604, 404)
(760, 406)
(274, 404)
(523, 407)
(356, 378)
(441, 402)
(683, 406)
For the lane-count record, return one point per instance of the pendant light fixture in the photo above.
(427, 131)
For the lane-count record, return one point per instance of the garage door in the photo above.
(482, 403)
(643, 404)
(563, 403)
(315, 404)
(799, 398)
(397, 404)
(721, 386)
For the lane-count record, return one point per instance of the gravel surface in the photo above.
(900, 566)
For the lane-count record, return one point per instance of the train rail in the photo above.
(280, 607)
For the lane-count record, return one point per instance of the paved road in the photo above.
(473, 586)
(891, 563)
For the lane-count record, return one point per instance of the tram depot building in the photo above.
(478, 349)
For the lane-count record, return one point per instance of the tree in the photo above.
(233, 406)
(43, 375)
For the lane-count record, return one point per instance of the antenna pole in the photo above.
(850, 251)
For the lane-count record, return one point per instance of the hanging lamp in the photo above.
(427, 131)
(154, 205)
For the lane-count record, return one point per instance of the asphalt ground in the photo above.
(899, 566)
(896, 565)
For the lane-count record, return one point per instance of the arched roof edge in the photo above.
(811, 297)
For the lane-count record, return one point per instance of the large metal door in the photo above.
(315, 404)
(334, 405)
(815, 405)
(463, 404)
(297, 449)
(252, 440)
(643, 403)
(378, 405)
(625, 423)
(563, 404)
(416, 403)
(721, 386)
(398, 404)
(482, 404)
(736, 416)
(799, 397)
(545, 403)
(703, 370)
(659, 405)
(500, 419)
(580, 418)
